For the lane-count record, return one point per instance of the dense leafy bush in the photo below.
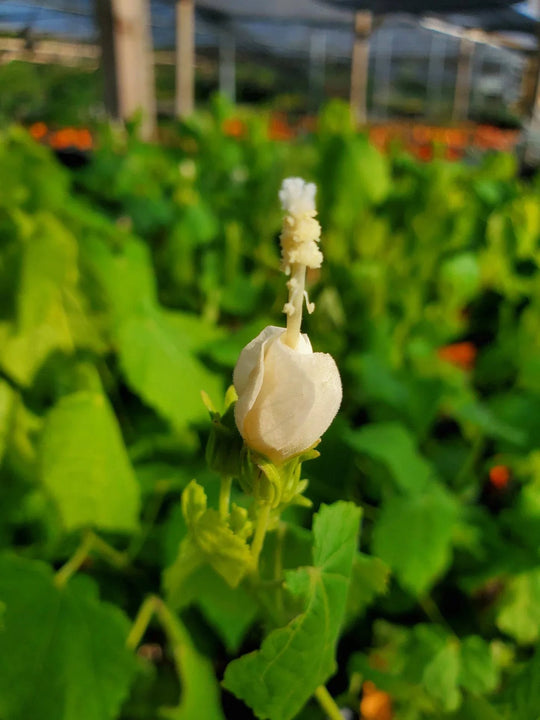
(132, 284)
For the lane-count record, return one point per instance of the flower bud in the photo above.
(287, 397)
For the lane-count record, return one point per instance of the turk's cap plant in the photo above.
(287, 394)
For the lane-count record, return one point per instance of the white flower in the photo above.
(287, 394)
(287, 397)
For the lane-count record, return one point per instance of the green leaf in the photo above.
(47, 286)
(229, 611)
(414, 536)
(210, 540)
(125, 275)
(478, 672)
(393, 445)
(200, 697)
(7, 405)
(477, 708)
(156, 356)
(369, 578)
(62, 651)
(523, 693)
(441, 676)
(156, 347)
(478, 415)
(519, 410)
(459, 278)
(85, 467)
(277, 680)
(427, 666)
(519, 609)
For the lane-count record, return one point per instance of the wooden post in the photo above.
(127, 60)
(463, 79)
(185, 58)
(360, 67)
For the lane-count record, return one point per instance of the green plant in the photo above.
(128, 287)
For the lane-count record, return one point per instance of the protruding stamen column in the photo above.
(293, 308)
(299, 250)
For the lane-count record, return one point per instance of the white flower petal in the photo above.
(249, 372)
(287, 398)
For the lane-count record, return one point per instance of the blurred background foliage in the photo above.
(131, 283)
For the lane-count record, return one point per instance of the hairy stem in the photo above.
(327, 703)
(225, 495)
(260, 532)
(114, 557)
(177, 637)
(429, 606)
(89, 543)
(76, 561)
(141, 622)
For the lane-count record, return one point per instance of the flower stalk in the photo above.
(261, 527)
(225, 495)
(327, 703)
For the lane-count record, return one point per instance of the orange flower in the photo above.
(279, 128)
(499, 476)
(380, 137)
(65, 138)
(234, 127)
(375, 704)
(462, 354)
(453, 153)
(38, 130)
(424, 152)
(84, 139)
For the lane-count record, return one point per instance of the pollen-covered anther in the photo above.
(288, 309)
(300, 231)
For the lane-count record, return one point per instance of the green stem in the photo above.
(225, 495)
(141, 622)
(432, 611)
(174, 630)
(278, 567)
(177, 637)
(114, 557)
(474, 454)
(327, 703)
(90, 543)
(260, 532)
(150, 516)
(76, 561)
